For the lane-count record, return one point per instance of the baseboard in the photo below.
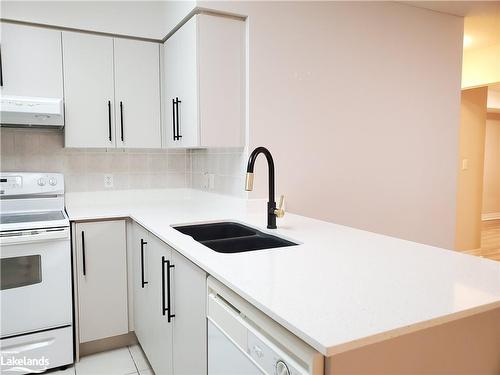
(107, 344)
(491, 216)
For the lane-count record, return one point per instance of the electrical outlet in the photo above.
(108, 181)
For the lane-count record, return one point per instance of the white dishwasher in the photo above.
(244, 341)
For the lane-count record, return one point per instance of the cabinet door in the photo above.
(137, 93)
(180, 83)
(31, 61)
(158, 329)
(141, 268)
(88, 90)
(190, 326)
(221, 64)
(102, 279)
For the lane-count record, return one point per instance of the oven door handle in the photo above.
(36, 235)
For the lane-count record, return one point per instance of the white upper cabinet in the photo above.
(137, 94)
(204, 83)
(221, 77)
(181, 88)
(31, 61)
(88, 90)
(111, 92)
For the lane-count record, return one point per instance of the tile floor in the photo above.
(123, 361)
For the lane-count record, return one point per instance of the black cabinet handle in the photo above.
(142, 263)
(83, 254)
(168, 307)
(109, 119)
(173, 119)
(1, 68)
(177, 101)
(121, 118)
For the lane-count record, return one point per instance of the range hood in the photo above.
(23, 111)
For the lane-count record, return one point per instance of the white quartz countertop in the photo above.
(340, 289)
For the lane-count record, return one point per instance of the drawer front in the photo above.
(37, 352)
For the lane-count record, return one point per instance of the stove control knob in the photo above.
(41, 182)
(282, 368)
(258, 351)
(52, 181)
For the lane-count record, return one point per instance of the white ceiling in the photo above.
(458, 8)
(481, 22)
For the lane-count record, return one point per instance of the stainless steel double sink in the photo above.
(232, 237)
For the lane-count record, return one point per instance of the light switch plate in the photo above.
(211, 181)
(108, 181)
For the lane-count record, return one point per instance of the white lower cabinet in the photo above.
(190, 321)
(141, 262)
(169, 306)
(101, 266)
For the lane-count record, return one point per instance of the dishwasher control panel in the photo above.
(241, 339)
(268, 357)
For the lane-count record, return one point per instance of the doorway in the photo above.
(478, 210)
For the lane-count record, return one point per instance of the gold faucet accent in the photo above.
(249, 182)
(280, 211)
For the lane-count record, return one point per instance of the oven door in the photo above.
(35, 286)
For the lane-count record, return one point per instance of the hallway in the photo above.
(490, 241)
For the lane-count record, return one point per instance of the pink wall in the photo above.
(359, 104)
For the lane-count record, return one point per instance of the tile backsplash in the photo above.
(37, 150)
(227, 165)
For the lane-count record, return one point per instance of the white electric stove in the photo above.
(36, 331)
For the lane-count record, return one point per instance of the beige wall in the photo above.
(491, 189)
(494, 99)
(359, 104)
(470, 176)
